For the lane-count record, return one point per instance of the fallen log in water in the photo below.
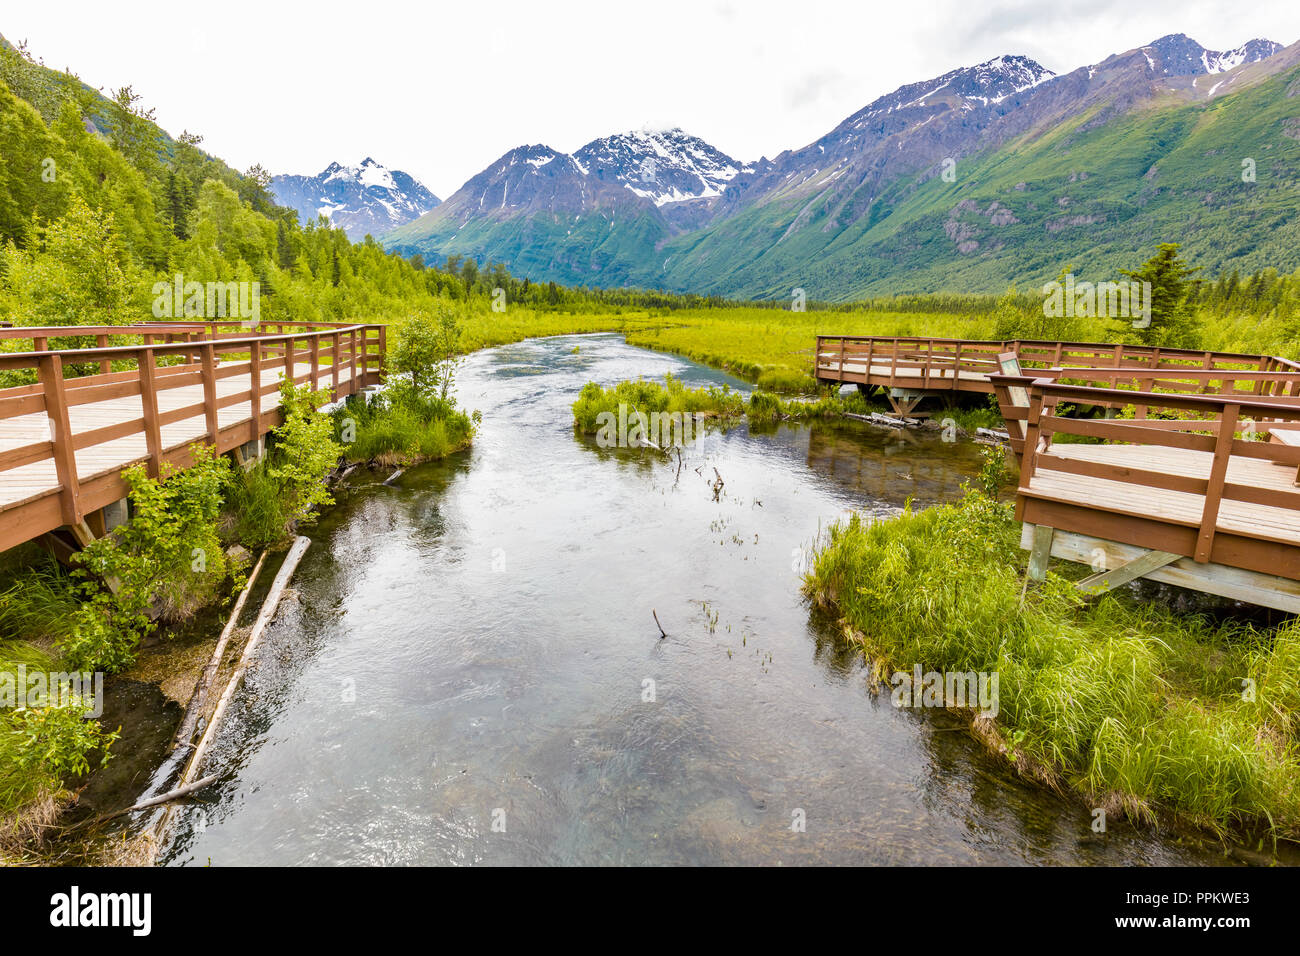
(264, 618)
(888, 421)
(200, 696)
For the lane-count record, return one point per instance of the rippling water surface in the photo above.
(463, 673)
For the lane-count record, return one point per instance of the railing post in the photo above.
(1029, 453)
(209, 359)
(315, 361)
(383, 349)
(336, 342)
(842, 344)
(1218, 475)
(105, 366)
(149, 406)
(255, 389)
(352, 360)
(65, 458)
(288, 358)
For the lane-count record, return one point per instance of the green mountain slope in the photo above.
(1096, 195)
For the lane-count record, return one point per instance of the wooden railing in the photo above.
(1281, 385)
(169, 356)
(963, 364)
(1205, 411)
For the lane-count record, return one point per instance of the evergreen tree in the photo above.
(1172, 322)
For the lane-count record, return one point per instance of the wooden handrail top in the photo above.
(1206, 374)
(1210, 403)
(71, 331)
(1198, 354)
(21, 360)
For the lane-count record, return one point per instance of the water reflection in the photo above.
(471, 672)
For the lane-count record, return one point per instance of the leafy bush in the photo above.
(425, 346)
(304, 452)
(167, 558)
(42, 746)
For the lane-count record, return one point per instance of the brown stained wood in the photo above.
(1125, 431)
(210, 406)
(255, 391)
(65, 459)
(1214, 493)
(149, 403)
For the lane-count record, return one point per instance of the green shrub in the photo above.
(168, 558)
(304, 452)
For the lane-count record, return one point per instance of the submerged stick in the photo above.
(662, 632)
(259, 626)
(171, 795)
(199, 698)
(394, 476)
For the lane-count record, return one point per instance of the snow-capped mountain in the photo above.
(983, 84)
(364, 199)
(1179, 55)
(663, 166)
(889, 187)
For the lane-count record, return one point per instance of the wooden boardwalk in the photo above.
(911, 369)
(1176, 465)
(159, 388)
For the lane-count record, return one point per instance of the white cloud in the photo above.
(441, 89)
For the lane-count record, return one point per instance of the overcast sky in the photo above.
(442, 89)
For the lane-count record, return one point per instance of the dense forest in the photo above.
(97, 204)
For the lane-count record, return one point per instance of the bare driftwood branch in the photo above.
(171, 795)
(199, 698)
(264, 617)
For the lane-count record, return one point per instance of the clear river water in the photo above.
(468, 670)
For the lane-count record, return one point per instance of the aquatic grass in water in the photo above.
(403, 426)
(1135, 707)
(649, 398)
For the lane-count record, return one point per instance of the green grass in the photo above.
(401, 427)
(255, 512)
(1133, 707)
(39, 746)
(648, 398)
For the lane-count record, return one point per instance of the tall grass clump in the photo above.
(41, 742)
(786, 381)
(1132, 706)
(648, 398)
(766, 407)
(404, 425)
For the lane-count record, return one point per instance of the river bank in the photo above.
(478, 636)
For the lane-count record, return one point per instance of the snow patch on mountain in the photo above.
(367, 198)
(664, 166)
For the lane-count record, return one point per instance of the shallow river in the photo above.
(469, 670)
